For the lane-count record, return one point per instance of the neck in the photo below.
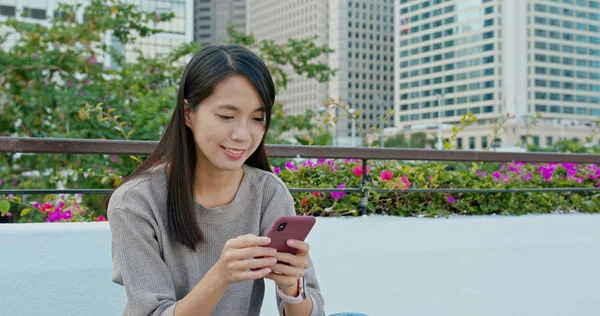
(214, 187)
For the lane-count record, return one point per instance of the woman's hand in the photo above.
(237, 262)
(290, 268)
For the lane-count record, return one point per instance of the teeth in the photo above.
(233, 151)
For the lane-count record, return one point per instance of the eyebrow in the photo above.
(236, 109)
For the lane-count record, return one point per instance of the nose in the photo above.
(241, 133)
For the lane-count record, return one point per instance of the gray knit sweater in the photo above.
(157, 271)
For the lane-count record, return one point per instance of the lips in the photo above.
(233, 153)
(233, 150)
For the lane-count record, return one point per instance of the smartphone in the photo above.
(289, 227)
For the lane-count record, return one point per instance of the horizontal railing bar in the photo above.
(121, 147)
(324, 190)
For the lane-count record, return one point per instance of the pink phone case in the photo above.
(289, 227)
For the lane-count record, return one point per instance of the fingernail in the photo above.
(272, 251)
(291, 242)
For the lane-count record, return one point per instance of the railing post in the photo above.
(364, 199)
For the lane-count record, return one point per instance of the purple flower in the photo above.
(277, 170)
(0, 181)
(67, 215)
(321, 161)
(36, 204)
(338, 195)
(54, 216)
(450, 199)
(529, 176)
(10, 196)
(496, 174)
(290, 165)
(113, 158)
(8, 214)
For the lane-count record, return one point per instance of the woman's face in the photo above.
(229, 125)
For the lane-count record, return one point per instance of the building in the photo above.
(282, 20)
(493, 57)
(175, 32)
(360, 33)
(211, 18)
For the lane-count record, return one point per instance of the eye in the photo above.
(260, 119)
(225, 117)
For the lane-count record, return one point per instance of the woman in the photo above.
(187, 224)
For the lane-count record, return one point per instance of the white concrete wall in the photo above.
(530, 265)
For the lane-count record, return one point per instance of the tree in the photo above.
(52, 84)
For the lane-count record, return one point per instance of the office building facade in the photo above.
(492, 58)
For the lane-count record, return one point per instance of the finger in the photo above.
(253, 252)
(302, 246)
(254, 264)
(253, 275)
(293, 260)
(288, 270)
(248, 241)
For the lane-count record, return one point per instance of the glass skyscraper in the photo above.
(492, 57)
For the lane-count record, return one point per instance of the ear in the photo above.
(187, 113)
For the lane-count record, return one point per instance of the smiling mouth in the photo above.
(233, 151)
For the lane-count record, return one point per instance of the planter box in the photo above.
(492, 265)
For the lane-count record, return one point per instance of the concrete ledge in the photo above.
(490, 265)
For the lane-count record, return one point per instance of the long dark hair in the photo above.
(177, 148)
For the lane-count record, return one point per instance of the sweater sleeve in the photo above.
(282, 204)
(138, 266)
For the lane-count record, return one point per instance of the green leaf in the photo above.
(4, 207)
(26, 211)
(130, 132)
(474, 168)
(105, 180)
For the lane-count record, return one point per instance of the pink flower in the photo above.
(92, 60)
(54, 216)
(358, 171)
(290, 165)
(0, 181)
(277, 170)
(529, 176)
(158, 17)
(450, 199)
(386, 175)
(46, 206)
(67, 215)
(101, 218)
(8, 214)
(36, 204)
(113, 158)
(60, 205)
(338, 195)
(405, 183)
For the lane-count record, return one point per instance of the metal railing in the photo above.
(118, 147)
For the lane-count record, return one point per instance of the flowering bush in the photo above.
(52, 208)
(432, 175)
